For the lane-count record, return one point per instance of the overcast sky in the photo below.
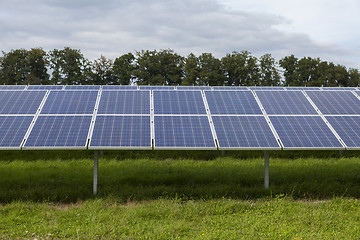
(323, 28)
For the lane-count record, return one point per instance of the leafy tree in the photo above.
(191, 70)
(69, 66)
(210, 71)
(354, 77)
(123, 69)
(290, 65)
(158, 68)
(240, 68)
(24, 67)
(102, 71)
(269, 75)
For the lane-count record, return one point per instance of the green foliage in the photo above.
(166, 67)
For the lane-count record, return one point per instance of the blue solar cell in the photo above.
(13, 130)
(145, 87)
(119, 87)
(178, 102)
(302, 88)
(348, 128)
(45, 87)
(267, 88)
(121, 132)
(59, 132)
(82, 87)
(230, 88)
(304, 132)
(183, 132)
(232, 102)
(338, 88)
(124, 102)
(285, 102)
(244, 132)
(193, 88)
(12, 87)
(20, 102)
(70, 102)
(335, 102)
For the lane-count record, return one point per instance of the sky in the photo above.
(306, 28)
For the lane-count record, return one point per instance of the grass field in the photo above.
(186, 195)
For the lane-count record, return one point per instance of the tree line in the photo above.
(165, 67)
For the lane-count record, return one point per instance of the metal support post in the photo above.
(95, 179)
(266, 168)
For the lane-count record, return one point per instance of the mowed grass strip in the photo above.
(224, 198)
(277, 218)
(68, 181)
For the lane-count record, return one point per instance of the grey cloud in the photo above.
(116, 27)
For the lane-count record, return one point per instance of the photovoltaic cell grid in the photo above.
(124, 102)
(338, 88)
(335, 102)
(70, 102)
(121, 132)
(178, 102)
(244, 132)
(82, 87)
(59, 132)
(20, 102)
(183, 132)
(118, 87)
(45, 87)
(285, 102)
(306, 132)
(267, 88)
(193, 88)
(348, 128)
(302, 88)
(144, 87)
(230, 88)
(13, 130)
(12, 87)
(232, 102)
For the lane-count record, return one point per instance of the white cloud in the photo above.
(114, 27)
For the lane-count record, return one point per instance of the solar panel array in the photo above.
(182, 117)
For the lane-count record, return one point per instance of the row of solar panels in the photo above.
(145, 87)
(180, 119)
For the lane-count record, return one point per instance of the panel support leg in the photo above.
(266, 170)
(95, 178)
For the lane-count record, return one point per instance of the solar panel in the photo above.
(285, 102)
(348, 128)
(232, 102)
(124, 102)
(13, 130)
(302, 88)
(145, 87)
(338, 88)
(119, 87)
(335, 102)
(12, 87)
(82, 87)
(267, 88)
(193, 88)
(70, 102)
(244, 132)
(121, 132)
(304, 132)
(229, 88)
(183, 132)
(178, 102)
(45, 87)
(20, 102)
(59, 132)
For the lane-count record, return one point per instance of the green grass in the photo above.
(152, 195)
